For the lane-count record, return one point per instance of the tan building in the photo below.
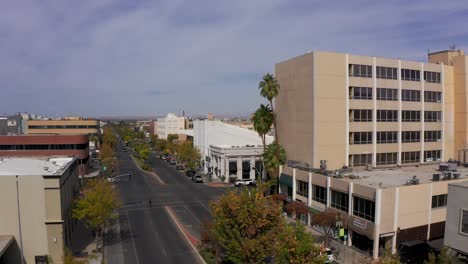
(372, 119)
(63, 126)
(354, 110)
(36, 207)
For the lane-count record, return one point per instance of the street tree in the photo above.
(246, 225)
(262, 120)
(188, 154)
(269, 89)
(327, 221)
(444, 257)
(273, 157)
(96, 206)
(296, 208)
(296, 246)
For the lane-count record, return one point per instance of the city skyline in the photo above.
(112, 58)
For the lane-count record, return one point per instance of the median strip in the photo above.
(152, 174)
(193, 241)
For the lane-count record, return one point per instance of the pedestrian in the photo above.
(149, 202)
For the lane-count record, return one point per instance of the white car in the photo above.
(329, 254)
(245, 182)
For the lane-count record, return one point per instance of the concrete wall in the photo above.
(457, 200)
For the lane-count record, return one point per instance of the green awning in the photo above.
(286, 180)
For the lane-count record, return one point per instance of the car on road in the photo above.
(244, 182)
(173, 162)
(168, 158)
(124, 150)
(197, 179)
(179, 167)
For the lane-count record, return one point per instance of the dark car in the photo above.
(179, 167)
(415, 251)
(197, 179)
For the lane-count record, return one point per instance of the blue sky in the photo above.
(137, 57)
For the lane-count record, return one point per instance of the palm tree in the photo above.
(262, 120)
(273, 157)
(269, 89)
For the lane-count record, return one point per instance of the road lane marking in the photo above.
(189, 238)
(133, 242)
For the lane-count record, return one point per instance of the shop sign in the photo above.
(360, 223)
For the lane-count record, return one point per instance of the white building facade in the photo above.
(456, 226)
(171, 124)
(228, 151)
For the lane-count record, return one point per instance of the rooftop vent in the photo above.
(436, 177)
(413, 181)
(456, 175)
(447, 176)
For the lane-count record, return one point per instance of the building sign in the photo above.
(360, 223)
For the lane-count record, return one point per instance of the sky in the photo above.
(141, 57)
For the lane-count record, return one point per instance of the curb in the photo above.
(191, 239)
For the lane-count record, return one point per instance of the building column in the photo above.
(328, 191)
(253, 170)
(280, 172)
(239, 168)
(374, 113)
(223, 166)
(378, 204)
(350, 210)
(395, 220)
(422, 114)
(293, 196)
(309, 197)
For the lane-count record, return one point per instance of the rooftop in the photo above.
(398, 176)
(460, 184)
(25, 166)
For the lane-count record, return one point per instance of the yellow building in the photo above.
(357, 131)
(36, 197)
(63, 126)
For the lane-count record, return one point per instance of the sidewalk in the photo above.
(343, 254)
(83, 244)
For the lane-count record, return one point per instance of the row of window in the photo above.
(391, 158)
(359, 70)
(390, 94)
(361, 207)
(61, 126)
(365, 115)
(384, 137)
(45, 147)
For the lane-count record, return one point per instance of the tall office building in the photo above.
(351, 110)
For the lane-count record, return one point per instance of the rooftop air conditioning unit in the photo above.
(436, 177)
(456, 175)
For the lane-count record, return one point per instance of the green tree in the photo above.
(246, 225)
(296, 246)
(262, 120)
(96, 205)
(444, 257)
(172, 137)
(273, 157)
(108, 136)
(144, 153)
(269, 89)
(188, 155)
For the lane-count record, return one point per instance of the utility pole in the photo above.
(19, 220)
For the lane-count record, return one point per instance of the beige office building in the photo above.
(36, 207)
(69, 126)
(354, 129)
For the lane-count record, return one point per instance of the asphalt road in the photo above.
(150, 234)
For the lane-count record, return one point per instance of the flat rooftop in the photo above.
(30, 166)
(394, 177)
(460, 184)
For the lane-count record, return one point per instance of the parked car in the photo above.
(179, 167)
(173, 162)
(168, 158)
(415, 251)
(244, 182)
(124, 150)
(163, 157)
(197, 179)
(190, 173)
(329, 253)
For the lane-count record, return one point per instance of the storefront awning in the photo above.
(286, 180)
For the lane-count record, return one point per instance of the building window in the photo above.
(433, 77)
(358, 138)
(387, 94)
(410, 75)
(411, 116)
(319, 194)
(432, 155)
(387, 115)
(339, 200)
(464, 222)
(364, 208)
(386, 158)
(410, 157)
(439, 200)
(411, 95)
(360, 159)
(432, 116)
(302, 188)
(385, 137)
(360, 115)
(363, 93)
(41, 259)
(386, 73)
(410, 136)
(435, 97)
(357, 70)
(432, 136)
